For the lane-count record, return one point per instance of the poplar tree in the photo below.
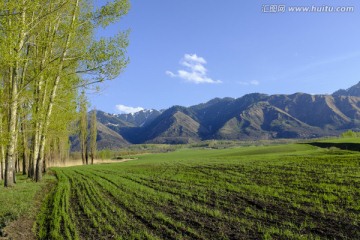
(47, 51)
(14, 33)
(2, 143)
(93, 136)
(83, 128)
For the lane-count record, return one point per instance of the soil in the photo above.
(22, 228)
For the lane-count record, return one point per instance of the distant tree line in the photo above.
(350, 134)
(48, 56)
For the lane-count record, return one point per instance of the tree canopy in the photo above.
(48, 54)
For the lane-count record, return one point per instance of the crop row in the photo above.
(296, 197)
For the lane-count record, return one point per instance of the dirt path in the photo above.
(22, 228)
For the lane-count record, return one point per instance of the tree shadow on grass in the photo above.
(343, 146)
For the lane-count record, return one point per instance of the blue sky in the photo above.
(185, 52)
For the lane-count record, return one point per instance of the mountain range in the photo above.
(251, 117)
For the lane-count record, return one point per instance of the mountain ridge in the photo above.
(252, 116)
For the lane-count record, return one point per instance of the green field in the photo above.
(294, 191)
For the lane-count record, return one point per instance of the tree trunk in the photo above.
(16, 164)
(10, 151)
(2, 147)
(35, 153)
(25, 158)
(93, 135)
(86, 154)
(2, 165)
(14, 75)
(83, 157)
(40, 159)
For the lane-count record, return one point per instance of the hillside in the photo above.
(253, 116)
(106, 139)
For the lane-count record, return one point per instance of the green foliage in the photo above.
(350, 134)
(110, 12)
(107, 57)
(48, 51)
(294, 191)
(105, 154)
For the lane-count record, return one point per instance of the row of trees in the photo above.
(87, 134)
(47, 54)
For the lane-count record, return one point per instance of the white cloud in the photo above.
(252, 82)
(126, 109)
(196, 72)
(194, 58)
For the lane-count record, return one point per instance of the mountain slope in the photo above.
(324, 111)
(106, 139)
(263, 121)
(178, 128)
(141, 118)
(215, 113)
(175, 125)
(109, 139)
(253, 116)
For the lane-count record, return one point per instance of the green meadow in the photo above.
(289, 191)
